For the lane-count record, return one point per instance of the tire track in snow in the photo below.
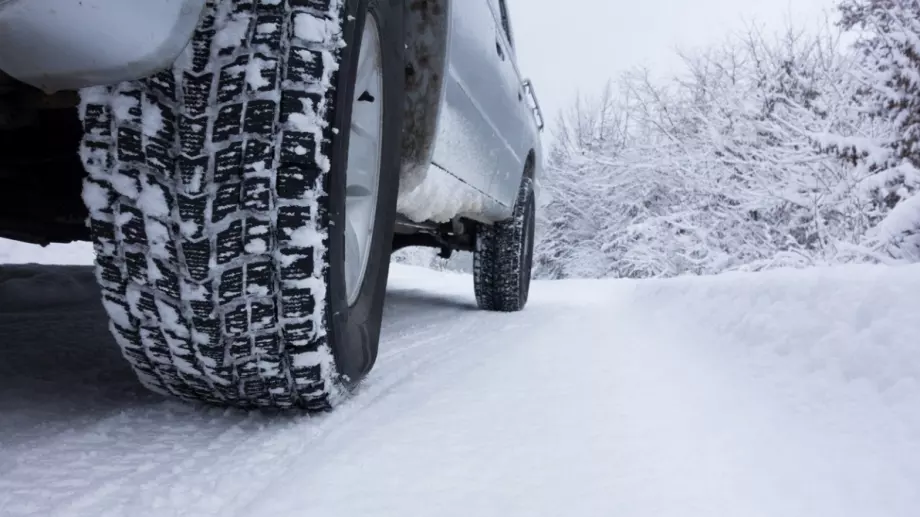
(163, 452)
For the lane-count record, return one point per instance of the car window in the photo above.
(506, 23)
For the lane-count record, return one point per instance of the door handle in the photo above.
(498, 48)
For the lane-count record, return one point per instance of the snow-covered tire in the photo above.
(216, 193)
(503, 258)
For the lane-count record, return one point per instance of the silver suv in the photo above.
(244, 169)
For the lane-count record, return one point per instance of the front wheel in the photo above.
(242, 203)
(503, 258)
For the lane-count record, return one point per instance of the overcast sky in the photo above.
(567, 45)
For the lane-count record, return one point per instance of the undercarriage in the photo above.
(40, 171)
(458, 235)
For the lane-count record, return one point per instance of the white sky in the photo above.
(571, 45)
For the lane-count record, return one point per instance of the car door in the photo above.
(513, 124)
(472, 135)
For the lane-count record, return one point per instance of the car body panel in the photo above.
(486, 129)
(69, 44)
(518, 122)
(469, 142)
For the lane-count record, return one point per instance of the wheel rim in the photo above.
(362, 177)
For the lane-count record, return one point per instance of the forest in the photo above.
(769, 150)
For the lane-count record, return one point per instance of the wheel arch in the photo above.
(534, 169)
(530, 165)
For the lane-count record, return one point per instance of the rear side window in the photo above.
(506, 23)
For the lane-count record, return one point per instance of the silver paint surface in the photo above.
(69, 44)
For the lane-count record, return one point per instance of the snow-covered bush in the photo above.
(786, 151)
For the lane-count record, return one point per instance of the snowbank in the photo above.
(15, 252)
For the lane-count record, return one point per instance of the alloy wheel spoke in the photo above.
(362, 178)
(353, 250)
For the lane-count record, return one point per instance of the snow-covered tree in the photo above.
(731, 165)
(570, 239)
(890, 48)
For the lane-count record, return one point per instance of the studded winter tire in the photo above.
(232, 265)
(503, 257)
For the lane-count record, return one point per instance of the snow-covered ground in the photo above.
(13, 252)
(791, 393)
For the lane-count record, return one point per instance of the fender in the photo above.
(70, 44)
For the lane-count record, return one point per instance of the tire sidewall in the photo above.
(528, 237)
(354, 331)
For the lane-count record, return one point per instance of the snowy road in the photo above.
(775, 394)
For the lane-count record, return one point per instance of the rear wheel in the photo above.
(242, 203)
(503, 258)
